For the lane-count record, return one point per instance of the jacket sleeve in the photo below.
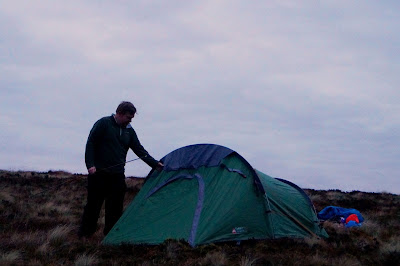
(94, 137)
(139, 150)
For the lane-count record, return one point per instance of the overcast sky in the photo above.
(307, 91)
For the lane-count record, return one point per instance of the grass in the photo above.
(86, 259)
(40, 213)
(12, 257)
(215, 258)
(247, 261)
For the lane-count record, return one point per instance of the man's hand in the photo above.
(92, 170)
(159, 167)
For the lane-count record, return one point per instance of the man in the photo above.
(106, 149)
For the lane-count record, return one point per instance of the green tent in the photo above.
(208, 193)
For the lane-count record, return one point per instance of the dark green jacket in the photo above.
(108, 145)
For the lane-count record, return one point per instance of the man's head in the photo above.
(126, 107)
(124, 113)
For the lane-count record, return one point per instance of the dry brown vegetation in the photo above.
(40, 212)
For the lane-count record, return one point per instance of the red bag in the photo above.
(352, 217)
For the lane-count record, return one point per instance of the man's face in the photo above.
(125, 119)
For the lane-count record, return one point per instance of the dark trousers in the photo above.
(102, 187)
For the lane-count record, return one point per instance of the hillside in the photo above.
(40, 212)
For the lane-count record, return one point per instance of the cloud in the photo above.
(306, 92)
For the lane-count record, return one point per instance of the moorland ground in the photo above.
(40, 213)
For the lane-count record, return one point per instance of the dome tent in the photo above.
(209, 193)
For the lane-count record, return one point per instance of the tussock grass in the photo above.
(6, 196)
(133, 183)
(45, 249)
(372, 228)
(390, 251)
(86, 260)
(29, 239)
(247, 261)
(58, 236)
(347, 260)
(40, 214)
(55, 239)
(10, 258)
(337, 228)
(146, 263)
(217, 258)
(315, 242)
(315, 197)
(172, 249)
(334, 195)
(392, 246)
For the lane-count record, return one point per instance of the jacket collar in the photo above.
(112, 117)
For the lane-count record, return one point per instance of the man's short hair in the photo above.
(126, 107)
